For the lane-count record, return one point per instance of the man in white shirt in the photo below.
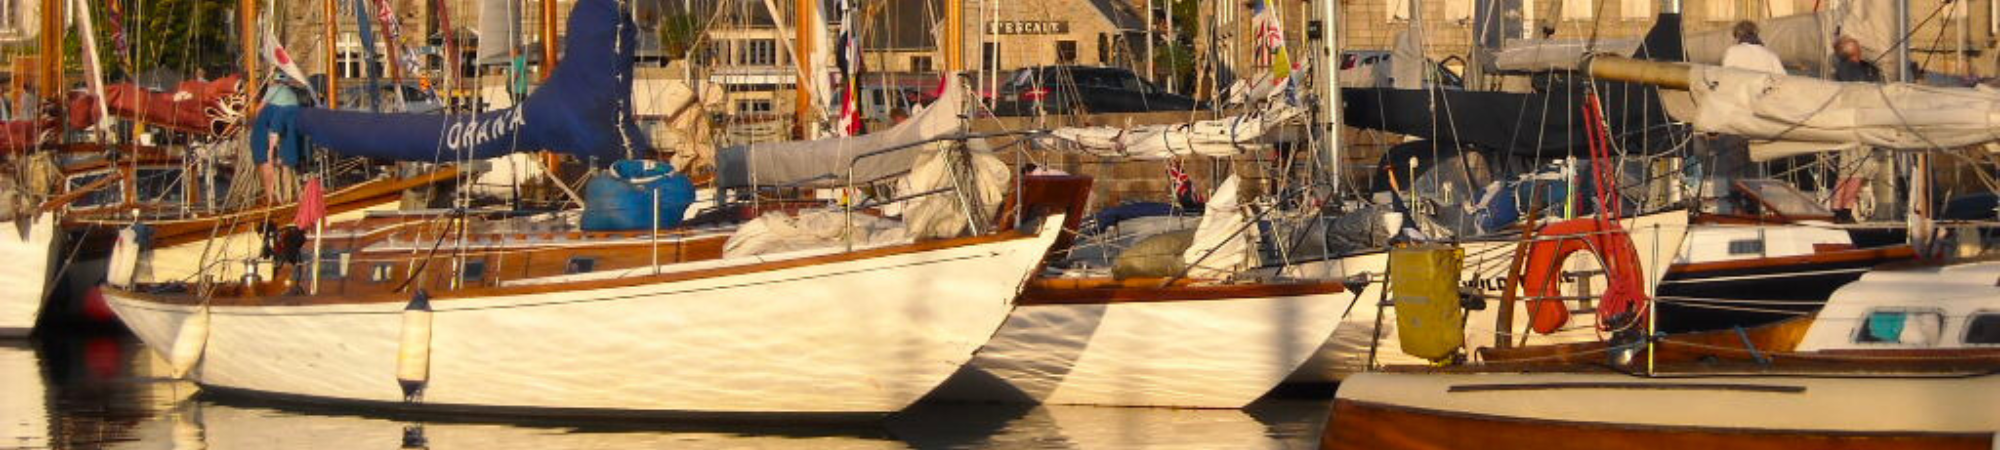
(1749, 52)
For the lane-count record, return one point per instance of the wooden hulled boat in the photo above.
(1899, 359)
(833, 334)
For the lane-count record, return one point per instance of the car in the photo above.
(1371, 68)
(1083, 89)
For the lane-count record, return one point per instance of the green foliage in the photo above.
(179, 35)
(678, 33)
(1176, 57)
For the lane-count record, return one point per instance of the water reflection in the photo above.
(108, 392)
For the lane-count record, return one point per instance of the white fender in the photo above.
(413, 356)
(190, 343)
(124, 266)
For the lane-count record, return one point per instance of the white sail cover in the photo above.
(1819, 115)
(1537, 55)
(1225, 239)
(1213, 138)
(1804, 41)
(826, 162)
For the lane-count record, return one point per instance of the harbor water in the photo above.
(110, 392)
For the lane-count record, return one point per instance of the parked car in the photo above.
(1083, 89)
(1371, 68)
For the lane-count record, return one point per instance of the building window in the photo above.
(1066, 52)
(759, 52)
(989, 56)
(753, 106)
(920, 64)
(383, 272)
(1103, 49)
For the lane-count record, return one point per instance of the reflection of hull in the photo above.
(1181, 346)
(24, 405)
(28, 257)
(838, 336)
(1617, 411)
(1656, 237)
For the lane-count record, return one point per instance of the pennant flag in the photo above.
(1270, 41)
(848, 54)
(281, 60)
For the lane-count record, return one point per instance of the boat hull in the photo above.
(31, 253)
(854, 336)
(1749, 293)
(1655, 237)
(1616, 411)
(1220, 350)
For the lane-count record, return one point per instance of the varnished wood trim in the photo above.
(1362, 425)
(473, 294)
(182, 231)
(1882, 255)
(1042, 292)
(1782, 336)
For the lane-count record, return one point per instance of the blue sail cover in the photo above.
(580, 111)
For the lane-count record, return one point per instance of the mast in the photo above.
(806, 14)
(332, 30)
(1328, 70)
(548, 39)
(92, 64)
(246, 29)
(50, 78)
(954, 36)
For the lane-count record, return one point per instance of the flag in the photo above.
(392, 32)
(848, 59)
(117, 15)
(1185, 194)
(281, 60)
(312, 205)
(1270, 41)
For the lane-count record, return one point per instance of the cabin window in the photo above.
(1983, 328)
(382, 273)
(1900, 326)
(109, 195)
(580, 264)
(160, 185)
(1746, 247)
(473, 271)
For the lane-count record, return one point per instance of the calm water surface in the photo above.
(109, 392)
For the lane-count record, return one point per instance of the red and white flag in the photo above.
(282, 61)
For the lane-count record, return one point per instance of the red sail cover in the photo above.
(19, 136)
(200, 107)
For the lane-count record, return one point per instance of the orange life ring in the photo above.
(1553, 244)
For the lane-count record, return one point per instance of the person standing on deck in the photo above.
(1862, 166)
(1726, 158)
(1749, 52)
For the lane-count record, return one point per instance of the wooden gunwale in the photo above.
(1884, 254)
(1367, 425)
(1106, 291)
(476, 293)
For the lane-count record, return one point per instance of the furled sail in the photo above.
(828, 162)
(194, 106)
(1822, 115)
(1213, 138)
(582, 110)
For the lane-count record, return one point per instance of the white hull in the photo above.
(1221, 353)
(30, 260)
(25, 405)
(1656, 237)
(1760, 403)
(860, 336)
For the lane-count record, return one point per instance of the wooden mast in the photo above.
(50, 77)
(332, 61)
(806, 11)
(548, 39)
(954, 36)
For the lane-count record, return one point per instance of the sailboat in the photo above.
(537, 316)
